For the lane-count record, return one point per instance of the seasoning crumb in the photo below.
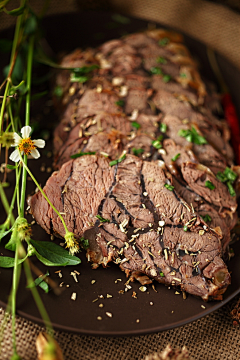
(78, 273)
(172, 311)
(134, 295)
(177, 293)
(60, 285)
(154, 288)
(60, 275)
(143, 288)
(137, 321)
(184, 295)
(109, 314)
(101, 297)
(121, 292)
(202, 306)
(74, 296)
(93, 281)
(101, 305)
(145, 194)
(201, 232)
(151, 303)
(67, 286)
(95, 300)
(99, 318)
(117, 280)
(74, 275)
(109, 296)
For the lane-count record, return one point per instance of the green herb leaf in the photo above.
(166, 78)
(176, 157)
(185, 228)
(231, 189)
(163, 41)
(230, 174)
(101, 219)
(8, 262)
(169, 187)
(161, 60)
(84, 242)
(156, 144)
(156, 71)
(85, 69)
(136, 125)
(4, 233)
(182, 75)
(58, 91)
(221, 176)
(207, 218)
(78, 78)
(161, 273)
(52, 254)
(163, 127)
(192, 136)
(83, 153)
(137, 152)
(120, 103)
(115, 162)
(209, 185)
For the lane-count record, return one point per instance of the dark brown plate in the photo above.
(156, 310)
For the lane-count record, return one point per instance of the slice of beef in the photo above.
(148, 229)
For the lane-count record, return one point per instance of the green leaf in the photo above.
(11, 167)
(101, 219)
(191, 135)
(156, 144)
(11, 245)
(230, 174)
(4, 233)
(207, 218)
(85, 69)
(231, 189)
(8, 262)
(83, 153)
(176, 157)
(40, 282)
(169, 187)
(164, 41)
(185, 228)
(161, 60)
(161, 274)
(136, 124)
(58, 91)
(52, 254)
(120, 103)
(209, 185)
(163, 128)
(156, 70)
(16, 12)
(84, 242)
(115, 162)
(137, 152)
(78, 78)
(221, 176)
(166, 78)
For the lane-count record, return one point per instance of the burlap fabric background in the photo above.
(212, 337)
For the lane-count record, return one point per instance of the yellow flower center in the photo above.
(26, 145)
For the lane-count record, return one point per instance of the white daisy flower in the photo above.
(25, 145)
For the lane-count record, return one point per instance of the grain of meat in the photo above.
(168, 211)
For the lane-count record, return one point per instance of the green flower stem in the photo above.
(14, 293)
(36, 296)
(44, 195)
(4, 103)
(6, 204)
(27, 118)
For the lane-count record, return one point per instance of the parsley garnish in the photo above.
(169, 187)
(207, 218)
(228, 176)
(161, 274)
(136, 125)
(137, 151)
(120, 103)
(163, 41)
(192, 136)
(185, 228)
(166, 78)
(156, 70)
(83, 153)
(176, 157)
(209, 185)
(156, 144)
(161, 60)
(101, 219)
(163, 128)
(79, 74)
(85, 242)
(117, 161)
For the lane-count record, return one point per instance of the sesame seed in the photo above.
(74, 275)
(161, 223)
(137, 321)
(157, 205)
(101, 297)
(67, 286)
(109, 296)
(60, 275)
(101, 305)
(201, 232)
(109, 314)
(145, 194)
(144, 206)
(202, 306)
(177, 293)
(166, 254)
(99, 318)
(151, 303)
(95, 300)
(93, 282)
(143, 288)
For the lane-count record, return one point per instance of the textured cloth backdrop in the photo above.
(212, 337)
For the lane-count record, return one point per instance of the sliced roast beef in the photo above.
(145, 226)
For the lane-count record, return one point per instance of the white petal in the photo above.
(35, 154)
(14, 156)
(17, 139)
(39, 143)
(25, 131)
